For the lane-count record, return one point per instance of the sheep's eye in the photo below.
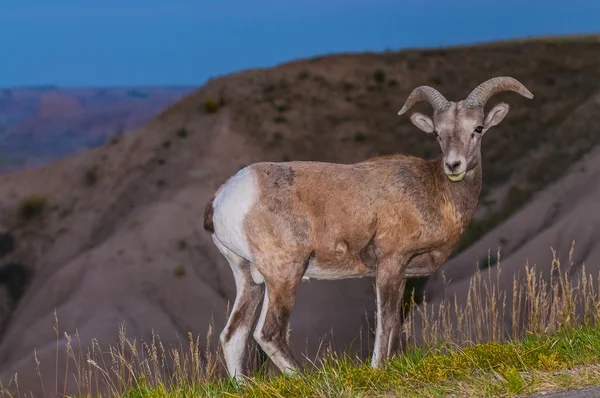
(436, 133)
(479, 129)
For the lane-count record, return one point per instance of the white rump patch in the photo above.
(232, 203)
(233, 349)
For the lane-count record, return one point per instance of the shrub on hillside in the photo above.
(379, 76)
(91, 175)
(182, 132)
(211, 106)
(31, 206)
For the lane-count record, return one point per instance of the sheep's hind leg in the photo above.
(390, 284)
(271, 329)
(244, 312)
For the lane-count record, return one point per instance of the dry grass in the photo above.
(538, 304)
(542, 335)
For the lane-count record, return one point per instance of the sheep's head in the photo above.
(459, 126)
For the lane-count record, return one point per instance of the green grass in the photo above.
(492, 369)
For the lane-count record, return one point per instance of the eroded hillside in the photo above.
(115, 233)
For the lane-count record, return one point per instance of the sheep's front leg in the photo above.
(390, 284)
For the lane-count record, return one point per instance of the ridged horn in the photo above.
(422, 93)
(482, 93)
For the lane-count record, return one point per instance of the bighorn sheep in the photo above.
(390, 217)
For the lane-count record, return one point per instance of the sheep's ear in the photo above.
(495, 115)
(423, 122)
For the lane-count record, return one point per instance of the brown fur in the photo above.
(369, 255)
(208, 216)
(390, 284)
(392, 204)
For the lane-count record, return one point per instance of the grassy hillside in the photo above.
(566, 360)
(556, 347)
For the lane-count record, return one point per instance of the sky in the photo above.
(185, 42)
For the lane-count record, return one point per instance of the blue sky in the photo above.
(184, 42)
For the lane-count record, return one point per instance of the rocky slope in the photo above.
(115, 234)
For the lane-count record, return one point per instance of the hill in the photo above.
(114, 234)
(40, 124)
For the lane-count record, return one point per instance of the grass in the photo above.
(541, 335)
(491, 369)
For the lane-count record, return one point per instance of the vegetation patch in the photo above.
(179, 271)
(520, 368)
(379, 76)
(182, 132)
(303, 75)
(91, 175)
(32, 206)
(359, 136)
(211, 106)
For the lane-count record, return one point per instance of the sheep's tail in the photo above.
(208, 216)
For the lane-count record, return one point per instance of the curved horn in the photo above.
(422, 93)
(482, 93)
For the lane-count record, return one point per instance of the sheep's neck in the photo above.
(465, 193)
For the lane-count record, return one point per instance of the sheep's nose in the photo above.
(453, 166)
